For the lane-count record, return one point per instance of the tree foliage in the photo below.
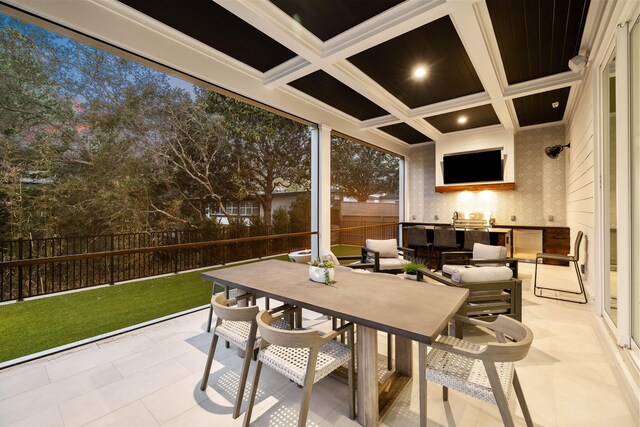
(92, 143)
(359, 171)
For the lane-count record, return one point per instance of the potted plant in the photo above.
(413, 266)
(322, 271)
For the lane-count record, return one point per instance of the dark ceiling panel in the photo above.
(438, 47)
(537, 38)
(325, 88)
(536, 109)
(477, 117)
(405, 133)
(213, 25)
(327, 19)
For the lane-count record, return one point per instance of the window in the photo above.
(249, 209)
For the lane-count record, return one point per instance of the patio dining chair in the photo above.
(486, 372)
(304, 357)
(237, 326)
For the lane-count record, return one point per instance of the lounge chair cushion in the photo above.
(452, 268)
(482, 251)
(387, 248)
(482, 274)
(392, 263)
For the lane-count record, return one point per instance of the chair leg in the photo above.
(245, 370)
(212, 350)
(580, 284)
(210, 318)
(498, 392)
(523, 403)
(422, 383)
(389, 352)
(351, 375)
(252, 396)
(308, 385)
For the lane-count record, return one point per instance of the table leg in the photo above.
(367, 352)
(404, 360)
(422, 362)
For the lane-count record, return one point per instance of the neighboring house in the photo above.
(251, 207)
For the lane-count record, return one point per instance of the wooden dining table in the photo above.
(410, 310)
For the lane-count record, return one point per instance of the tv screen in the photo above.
(479, 166)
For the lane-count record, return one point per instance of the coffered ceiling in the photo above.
(486, 63)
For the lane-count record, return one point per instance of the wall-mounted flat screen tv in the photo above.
(478, 166)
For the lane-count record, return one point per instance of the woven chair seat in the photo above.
(465, 374)
(292, 362)
(237, 332)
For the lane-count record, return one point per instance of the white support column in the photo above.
(403, 171)
(321, 190)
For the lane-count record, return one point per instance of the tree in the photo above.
(37, 123)
(192, 161)
(359, 171)
(268, 152)
(75, 120)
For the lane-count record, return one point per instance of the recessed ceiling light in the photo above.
(462, 120)
(420, 72)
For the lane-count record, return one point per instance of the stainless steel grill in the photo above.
(472, 219)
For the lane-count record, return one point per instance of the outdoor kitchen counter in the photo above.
(497, 235)
(555, 240)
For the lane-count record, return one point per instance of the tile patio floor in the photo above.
(151, 377)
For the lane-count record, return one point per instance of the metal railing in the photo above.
(44, 266)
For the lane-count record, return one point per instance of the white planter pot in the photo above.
(317, 273)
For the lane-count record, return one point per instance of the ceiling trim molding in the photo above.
(269, 19)
(542, 125)
(392, 23)
(387, 120)
(450, 105)
(396, 21)
(473, 38)
(475, 131)
(288, 71)
(484, 20)
(543, 84)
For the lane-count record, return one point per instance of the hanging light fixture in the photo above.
(554, 152)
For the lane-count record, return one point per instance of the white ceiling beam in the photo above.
(392, 23)
(543, 84)
(272, 21)
(450, 105)
(376, 122)
(473, 36)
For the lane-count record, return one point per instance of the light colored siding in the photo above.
(580, 174)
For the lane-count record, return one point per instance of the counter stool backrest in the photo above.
(444, 237)
(475, 235)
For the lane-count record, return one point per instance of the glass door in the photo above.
(610, 190)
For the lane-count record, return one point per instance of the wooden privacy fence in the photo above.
(43, 266)
(357, 232)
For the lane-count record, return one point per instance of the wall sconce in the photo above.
(553, 152)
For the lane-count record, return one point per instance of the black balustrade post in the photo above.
(111, 261)
(20, 296)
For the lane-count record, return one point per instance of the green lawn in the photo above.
(36, 325)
